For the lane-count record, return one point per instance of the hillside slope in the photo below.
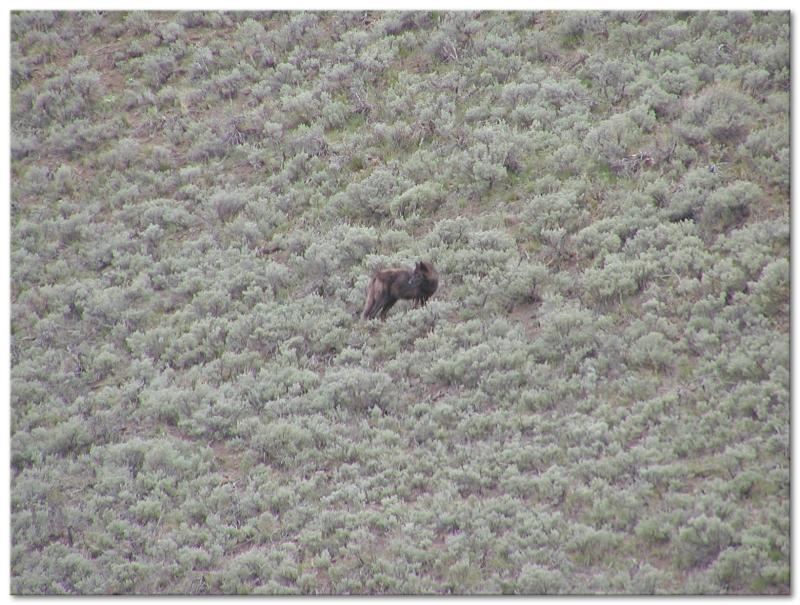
(596, 400)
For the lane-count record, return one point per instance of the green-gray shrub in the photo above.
(730, 205)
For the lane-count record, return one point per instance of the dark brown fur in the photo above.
(390, 285)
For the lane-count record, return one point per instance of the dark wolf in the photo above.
(390, 285)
